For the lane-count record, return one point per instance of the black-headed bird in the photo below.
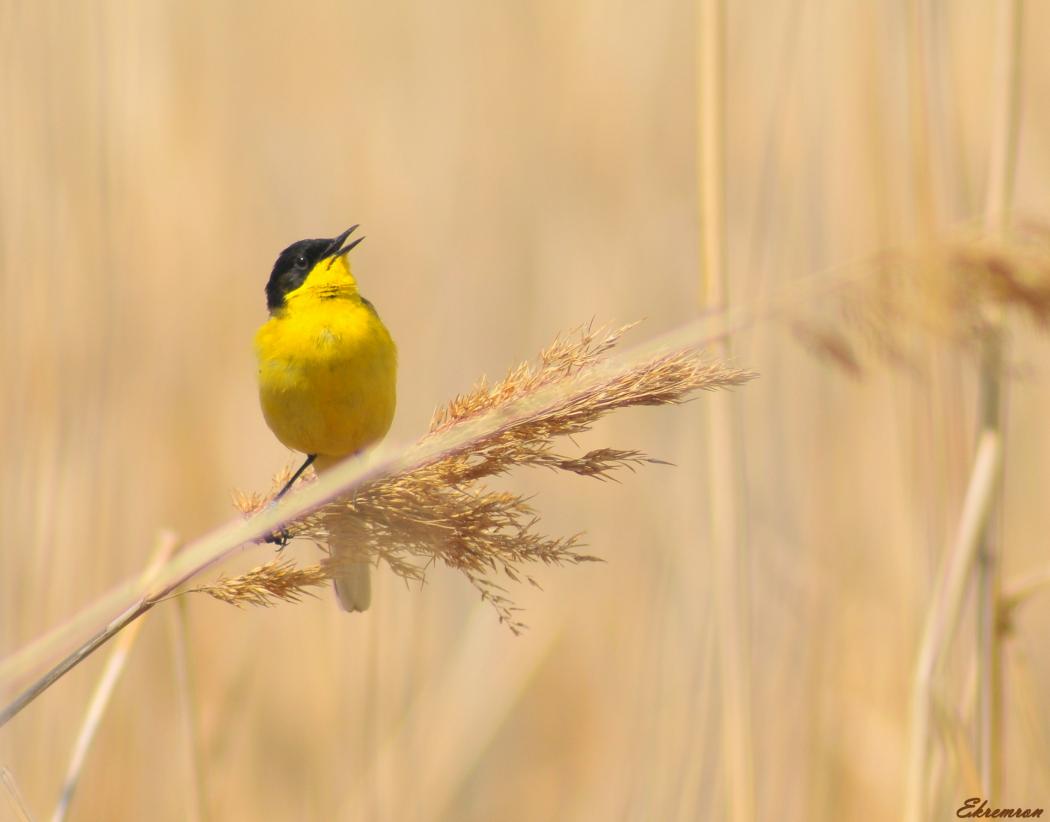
(327, 373)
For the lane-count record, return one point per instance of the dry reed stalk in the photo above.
(184, 680)
(440, 512)
(922, 126)
(942, 618)
(487, 433)
(1002, 163)
(103, 692)
(131, 611)
(972, 287)
(731, 590)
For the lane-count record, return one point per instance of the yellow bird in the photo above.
(327, 371)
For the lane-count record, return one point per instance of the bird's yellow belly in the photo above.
(327, 378)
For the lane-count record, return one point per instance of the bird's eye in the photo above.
(300, 261)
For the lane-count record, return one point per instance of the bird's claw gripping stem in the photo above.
(280, 538)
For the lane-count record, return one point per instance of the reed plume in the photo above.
(279, 580)
(441, 511)
(951, 290)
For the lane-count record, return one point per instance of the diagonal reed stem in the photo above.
(128, 602)
(107, 683)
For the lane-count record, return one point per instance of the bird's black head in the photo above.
(296, 262)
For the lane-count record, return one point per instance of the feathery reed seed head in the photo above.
(441, 511)
(279, 580)
(949, 290)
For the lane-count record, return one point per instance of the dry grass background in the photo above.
(518, 168)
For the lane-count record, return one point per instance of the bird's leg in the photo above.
(288, 485)
(281, 537)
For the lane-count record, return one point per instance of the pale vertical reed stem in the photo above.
(184, 680)
(942, 618)
(104, 689)
(1002, 161)
(940, 125)
(691, 799)
(920, 78)
(730, 558)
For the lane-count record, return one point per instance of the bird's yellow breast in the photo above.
(327, 371)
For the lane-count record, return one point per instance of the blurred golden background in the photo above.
(518, 169)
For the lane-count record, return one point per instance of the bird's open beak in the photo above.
(337, 249)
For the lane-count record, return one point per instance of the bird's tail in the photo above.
(353, 579)
(353, 585)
